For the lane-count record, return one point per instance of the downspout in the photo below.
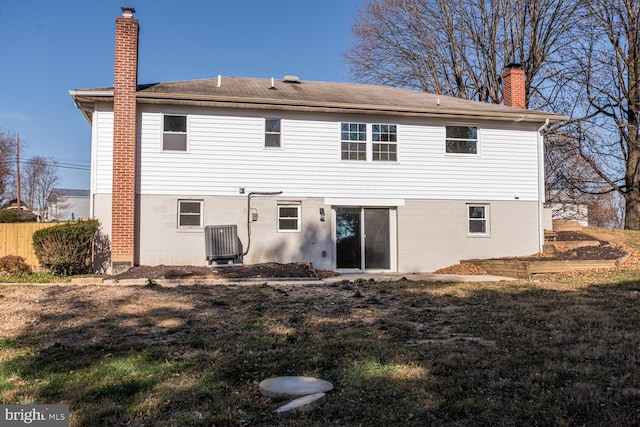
(541, 192)
(254, 193)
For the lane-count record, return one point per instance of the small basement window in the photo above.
(189, 213)
(174, 135)
(478, 220)
(288, 218)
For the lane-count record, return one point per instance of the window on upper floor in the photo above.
(174, 133)
(478, 220)
(354, 141)
(384, 146)
(461, 139)
(189, 213)
(357, 139)
(288, 218)
(272, 133)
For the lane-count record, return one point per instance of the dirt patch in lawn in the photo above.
(605, 251)
(265, 270)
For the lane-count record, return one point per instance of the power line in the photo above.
(56, 165)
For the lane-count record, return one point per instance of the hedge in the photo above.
(66, 249)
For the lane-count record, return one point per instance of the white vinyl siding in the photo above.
(227, 152)
(102, 171)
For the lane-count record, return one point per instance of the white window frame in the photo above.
(185, 133)
(359, 142)
(297, 218)
(368, 142)
(477, 139)
(267, 133)
(389, 143)
(181, 214)
(485, 219)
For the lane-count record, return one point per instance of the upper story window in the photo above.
(461, 139)
(354, 141)
(288, 217)
(189, 213)
(478, 219)
(272, 133)
(358, 139)
(385, 138)
(174, 133)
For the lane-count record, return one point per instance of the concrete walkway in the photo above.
(419, 277)
(382, 277)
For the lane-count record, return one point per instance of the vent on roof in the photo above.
(291, 79)
(222, 244)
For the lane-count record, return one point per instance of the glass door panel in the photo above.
(377, 248)
(348, 238)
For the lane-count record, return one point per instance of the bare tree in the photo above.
(461, 48)
(40, 176)
(7, 162)
(605, 71)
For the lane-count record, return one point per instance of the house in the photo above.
(65, 204)
(567, 206)
(13, 204)
(349, 177)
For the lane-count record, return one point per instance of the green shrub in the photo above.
(14, 265)
(16, 215)
(66, 249)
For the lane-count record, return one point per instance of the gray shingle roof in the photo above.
(257, 93)
(70, 192)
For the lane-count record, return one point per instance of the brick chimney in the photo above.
(123, 192)
(514, 86)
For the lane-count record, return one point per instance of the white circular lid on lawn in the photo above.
(293, 387)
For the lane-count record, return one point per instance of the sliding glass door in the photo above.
(363, 239)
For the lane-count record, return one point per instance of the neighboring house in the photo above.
(349, 177)
(64, 204)
(567, 207)
(13, 204)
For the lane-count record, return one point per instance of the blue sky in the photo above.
(49, 47)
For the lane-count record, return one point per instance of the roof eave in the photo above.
(85, 100)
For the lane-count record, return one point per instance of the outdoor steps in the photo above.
(552, 247)
(523, 269)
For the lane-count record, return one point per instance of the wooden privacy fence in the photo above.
(17, 239)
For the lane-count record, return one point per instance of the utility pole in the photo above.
(18, 170)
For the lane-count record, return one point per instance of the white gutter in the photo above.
(541, 194)
(75, 93)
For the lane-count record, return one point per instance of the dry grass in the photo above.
(401, 353)
(629, 271)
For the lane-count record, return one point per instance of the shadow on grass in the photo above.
(400, 353)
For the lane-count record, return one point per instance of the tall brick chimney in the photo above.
(514, 86)
(123, 192)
